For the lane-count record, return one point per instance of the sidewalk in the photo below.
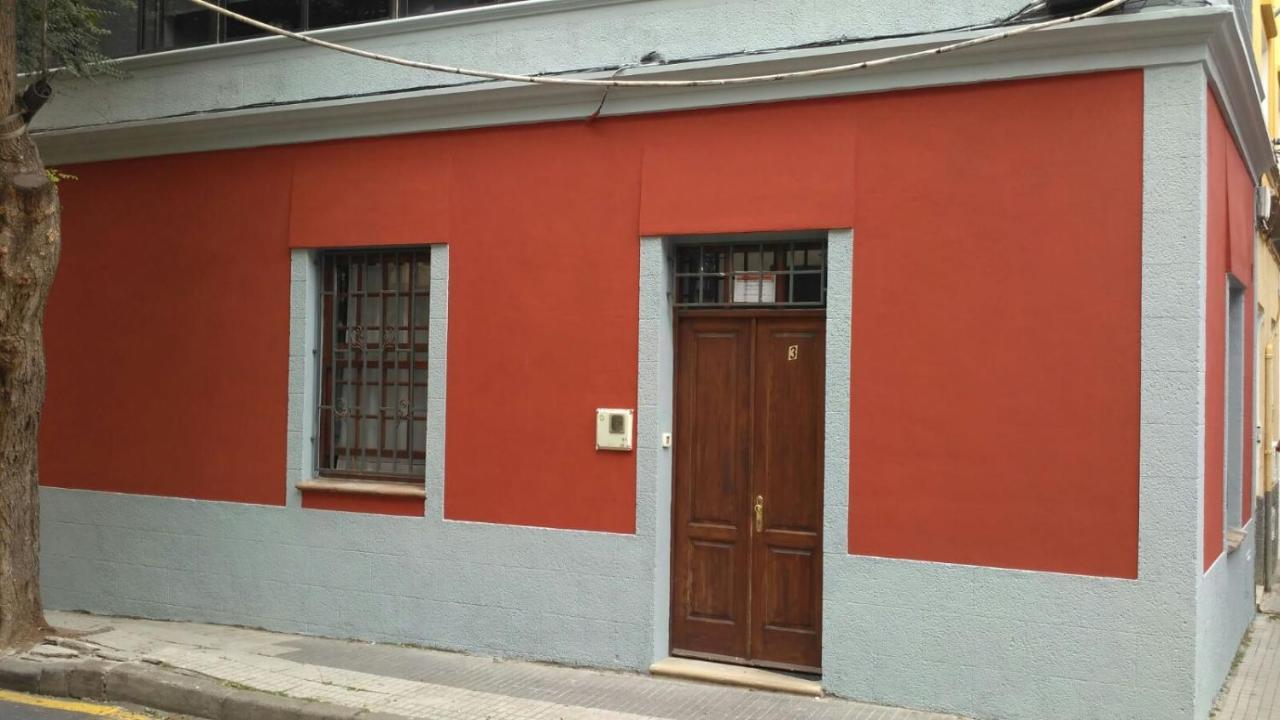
(423, 683)
(1253, 690)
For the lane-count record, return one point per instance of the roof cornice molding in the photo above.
(1206, 35)
(1234, 79)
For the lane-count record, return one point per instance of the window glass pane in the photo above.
(285, 14)
(687, 258)
(808, 288)
(373, 275)
(687, 290)
(185, 24)
(806, 256)
(327, 13)
(423, 7)
(421, 310)
(150, 10)
(715, 259)
(422, 275)
(121, 24)
(774, 257)
(713, 290)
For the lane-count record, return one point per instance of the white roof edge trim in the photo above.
(1205, 35)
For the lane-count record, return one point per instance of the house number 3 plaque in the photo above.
(793, 352)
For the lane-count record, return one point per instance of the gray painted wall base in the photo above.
(1225, 606)
(1004, 643)
(564, 596)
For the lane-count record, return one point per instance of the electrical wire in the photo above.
(708, 82)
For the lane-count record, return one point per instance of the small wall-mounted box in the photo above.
(613, 429)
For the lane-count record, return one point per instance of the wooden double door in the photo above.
(747, 545)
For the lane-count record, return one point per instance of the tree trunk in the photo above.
(29, 246)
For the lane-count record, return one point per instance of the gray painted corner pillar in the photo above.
(437, 375)
(839, 342)
(655, 389)
(1171, 440)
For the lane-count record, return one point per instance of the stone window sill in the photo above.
(1235, 538)
(364, 487)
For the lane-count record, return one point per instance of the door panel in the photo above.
(788, 568)
(749, 424)
(787, 475)
(711, 564)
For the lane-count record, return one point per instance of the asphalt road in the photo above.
(16, 706)
(17, 711)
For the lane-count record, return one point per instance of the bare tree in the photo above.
(33, 33)
(29, 245)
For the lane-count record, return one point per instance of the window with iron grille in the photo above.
(373, 381)
(789, 273)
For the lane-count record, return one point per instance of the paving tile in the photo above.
(1253, 690)
(451, 686)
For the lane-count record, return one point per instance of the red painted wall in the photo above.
(168, 329)
(996, 301)
(1230, 251)
(992, 312)
(370, 504)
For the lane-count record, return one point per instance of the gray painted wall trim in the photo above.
(1152, 37)
(437, 376)
(1225, 607)
(655, 396)
(837, 409)
(839, 341)
(1171, 439)
(304, 330)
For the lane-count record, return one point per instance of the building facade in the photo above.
(934, 380)
(1267, 252)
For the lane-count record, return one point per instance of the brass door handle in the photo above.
(759, 513)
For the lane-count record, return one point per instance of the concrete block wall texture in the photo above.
(565, 596)
(1225, 606)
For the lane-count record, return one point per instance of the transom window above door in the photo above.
(372, 418)
(770, 273)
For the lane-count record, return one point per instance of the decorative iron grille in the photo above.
(373, 385)
(788, 273)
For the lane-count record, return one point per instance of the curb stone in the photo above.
(53, 677)
(142, 685)
(87, 680)
(162, 689)
(20, 675)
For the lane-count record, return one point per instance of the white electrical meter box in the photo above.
(613, 429)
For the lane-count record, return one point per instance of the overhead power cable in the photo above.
(621, 83)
